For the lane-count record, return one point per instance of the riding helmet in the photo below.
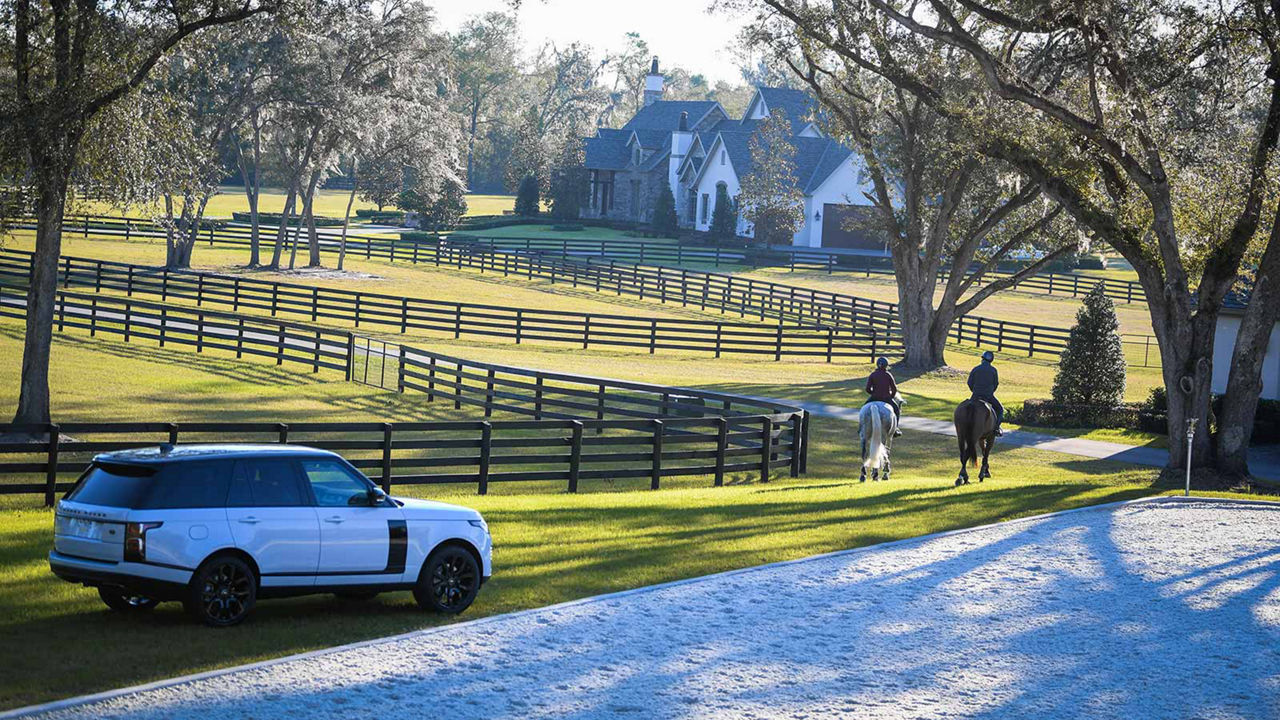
(988, 356)
(882, 362)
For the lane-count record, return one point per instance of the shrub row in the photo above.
(381, 215)
(1148, 416)
(274, 218)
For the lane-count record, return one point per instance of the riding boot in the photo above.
(999, 431)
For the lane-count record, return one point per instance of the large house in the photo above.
(694, 146)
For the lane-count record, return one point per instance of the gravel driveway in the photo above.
(1155, 609)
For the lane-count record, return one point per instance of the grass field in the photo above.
(328, 203)
(551, 546)
(840, 383)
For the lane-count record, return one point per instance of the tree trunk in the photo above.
(313, 236)
(1186, 352)
(346, 219)
(251, 194)
(33, 398)
(282, 236)
(917, 318)
(471, 141)
(1244, 382)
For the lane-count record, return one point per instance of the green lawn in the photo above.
(840, 383)
(328, 203)
(552, 546)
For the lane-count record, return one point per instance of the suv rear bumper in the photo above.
(157, 582)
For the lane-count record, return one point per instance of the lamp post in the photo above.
(1191, 436)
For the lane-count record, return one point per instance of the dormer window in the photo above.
(722, 155)
(635, 155)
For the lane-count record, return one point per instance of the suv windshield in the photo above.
(144, 487)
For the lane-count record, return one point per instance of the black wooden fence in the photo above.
(403, 314)
(726, 293)
(633, 429)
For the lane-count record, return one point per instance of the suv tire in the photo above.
(120, 600)
(222, 592)
(449, 581)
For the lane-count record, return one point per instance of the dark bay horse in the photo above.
(975, 431)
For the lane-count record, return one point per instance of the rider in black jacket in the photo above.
(983, 382)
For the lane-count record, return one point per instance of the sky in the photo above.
(679, 32)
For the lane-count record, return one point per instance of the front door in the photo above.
(272, 519)
(365, 543)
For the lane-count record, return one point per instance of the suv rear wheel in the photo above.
(222, 591)
(121, 600)
(449, 581)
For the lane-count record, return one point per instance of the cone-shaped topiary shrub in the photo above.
(527, 200)
(664, 213)
(1092, 368)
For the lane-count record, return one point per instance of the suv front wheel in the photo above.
(449, 581)
(121, 600)
(222, 591)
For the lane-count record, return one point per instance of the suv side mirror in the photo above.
(377, 497)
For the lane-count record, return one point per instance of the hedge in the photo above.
(381, 215)
(274, 219)
(1047, 413)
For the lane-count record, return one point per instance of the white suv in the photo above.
(219, 526)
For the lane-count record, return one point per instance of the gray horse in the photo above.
(876, 425)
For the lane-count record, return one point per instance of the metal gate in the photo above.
(375, 362)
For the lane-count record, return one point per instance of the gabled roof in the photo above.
(606, 151)
(816, 158)
(665, 114)
(798, 104)
(651, 139)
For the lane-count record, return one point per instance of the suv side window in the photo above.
(334, 485)
(191, 485)
(268, 482)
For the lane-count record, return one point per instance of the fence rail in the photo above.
(726, 293)
(618, 415)
(403, 314)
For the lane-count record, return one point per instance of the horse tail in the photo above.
(877, 453)
(964, 435)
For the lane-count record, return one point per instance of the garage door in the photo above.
(851, 226)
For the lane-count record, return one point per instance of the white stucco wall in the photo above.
(1223, 345)
(716, 172)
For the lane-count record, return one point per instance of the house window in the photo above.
(702, 214)
(635, 155)
(721, 157)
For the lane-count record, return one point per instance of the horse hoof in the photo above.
(959, 482)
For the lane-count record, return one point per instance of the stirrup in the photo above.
(999, 432)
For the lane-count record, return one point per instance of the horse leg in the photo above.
(986, 450)
(863, 478)
(888, 467)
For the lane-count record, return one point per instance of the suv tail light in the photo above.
(135, 540)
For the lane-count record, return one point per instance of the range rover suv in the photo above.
(219, 526)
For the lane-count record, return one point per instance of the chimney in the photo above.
(652, 84)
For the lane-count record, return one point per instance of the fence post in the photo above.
(200, 290)
(457, 390)
(1031, 344)
(351, 353)
(766, 447)
(315, 357)
(777, 353)
(164, 320)
(797, 443)
(97, 278)
(488, 394)
(275, 297)
(519, 323)
(575, 455)
(51, 469)
(357, 309)
(173, 433)
(164, 285)
(656, 475)
(129, 283)
(235, 296)
(537, 399)
(804, 444)
(431, 379)
(404, 313)
(62, 312)
(486, 454)
(127, 321)
(457, 321)
(239, 338)
(722, 445)
(282, 433)
(280, 346)
(400, 372)
(653, 335)
(386, 457)
(586, 331)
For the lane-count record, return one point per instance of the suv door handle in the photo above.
(250, 519)
(334, 519)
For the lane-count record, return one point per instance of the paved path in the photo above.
(1154, 609)
(1264, 463)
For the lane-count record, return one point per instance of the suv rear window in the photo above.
(113, 485)
(145, 487)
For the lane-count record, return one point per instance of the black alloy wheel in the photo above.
(222, 591)
(449, 581)
(121, 600)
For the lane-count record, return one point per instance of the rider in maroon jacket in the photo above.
(882, 388)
